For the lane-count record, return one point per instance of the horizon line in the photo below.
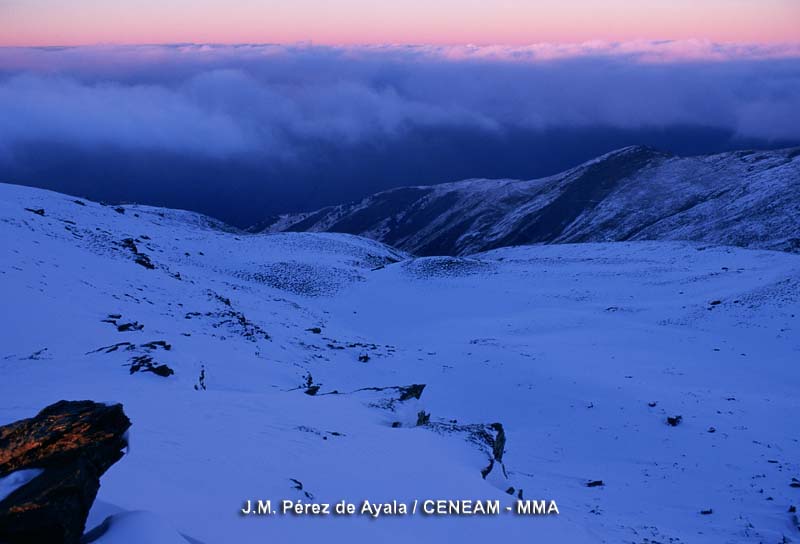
(315, 43)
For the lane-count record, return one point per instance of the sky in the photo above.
(509, 22)
(244, 132)
(246, 108)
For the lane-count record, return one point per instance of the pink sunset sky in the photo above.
(513, 22)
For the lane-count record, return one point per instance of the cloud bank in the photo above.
(281, 101)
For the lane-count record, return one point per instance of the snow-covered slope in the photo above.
(581, 352)
(746, 198)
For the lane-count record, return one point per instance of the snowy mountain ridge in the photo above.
(743, 198)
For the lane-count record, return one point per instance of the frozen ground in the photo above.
(581, 352)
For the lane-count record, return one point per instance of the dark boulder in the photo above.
(411, 391)
(73, 443)
(312, 390)
(145, 363)
(494, 436)
(499, 443)
(674, 421)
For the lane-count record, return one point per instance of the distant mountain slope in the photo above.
(743, 198)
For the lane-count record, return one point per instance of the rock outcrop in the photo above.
(73, 443)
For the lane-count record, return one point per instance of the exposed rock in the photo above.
(155, 344)
(201, 380)
(232, 319)
(139, 257)
(490, 438)
(499, 445)
(37, 211)
(423, 418)
(298, 485)
(309, 387)
(37, 355)
(144, 260)
(74, 443)
(413, 391)
(595, 483)
(114, 347)
(390, 401)
(145, 363)
(134, 326)
(130, 243)
(674, 421)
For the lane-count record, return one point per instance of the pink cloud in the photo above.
(265, 98)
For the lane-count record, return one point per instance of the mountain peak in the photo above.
(633, 151)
